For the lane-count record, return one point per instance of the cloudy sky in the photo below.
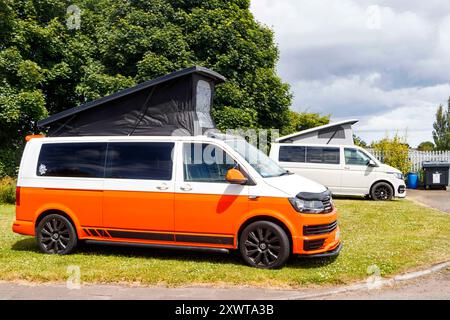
(384, 62)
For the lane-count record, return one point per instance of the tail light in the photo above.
(17, 196)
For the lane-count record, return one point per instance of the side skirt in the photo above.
(211, 240)
(157, 246)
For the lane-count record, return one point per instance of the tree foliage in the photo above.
(299, 121)
(394, 152)
(426, 146)
(441, 132)
(359, 141)
(46, 67)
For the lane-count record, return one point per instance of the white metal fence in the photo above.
(417, 158)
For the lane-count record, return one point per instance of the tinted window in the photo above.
(140, 160)
(205, 163)
(322, 155)
(335, 133)
(356, 157)
(72, 160)
(292, 154)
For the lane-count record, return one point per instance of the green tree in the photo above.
(359, 141)
(441, 132)
(46, 67)
(299, 121)
(394, 152)
(426, 146)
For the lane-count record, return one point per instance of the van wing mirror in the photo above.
(371, 163)
(236, 177)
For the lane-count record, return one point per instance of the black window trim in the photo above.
(323, 147)
(306, 153)
(172, 175)
(250, 180)
(105, 159)
(67, 177)
(356, 149)
(294, 146)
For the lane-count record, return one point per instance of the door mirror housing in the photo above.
(236, 177)
(371, 163)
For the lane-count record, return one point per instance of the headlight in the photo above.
(307, 206)
(398, 175)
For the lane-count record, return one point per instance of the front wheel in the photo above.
(382, 191)
(265, 245)
(56, 235)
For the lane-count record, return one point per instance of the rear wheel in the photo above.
(56, 235)
(382, 191)
(264, 244)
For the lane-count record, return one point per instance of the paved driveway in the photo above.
(432, 286)
(438, 199)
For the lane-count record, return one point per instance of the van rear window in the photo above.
(323, 155)
(72, 160)
(140, 160)
(301, 154)
(292, 154)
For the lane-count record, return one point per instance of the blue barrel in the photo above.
(413, 180)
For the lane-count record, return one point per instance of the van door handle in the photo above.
(347, 168)
(186, 187)
(163, 186)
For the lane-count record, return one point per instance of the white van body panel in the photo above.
(290, 184)
(342, 178)
(283, 187)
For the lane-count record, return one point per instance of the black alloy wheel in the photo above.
(264, 244)
(382, 192)
(56, 235)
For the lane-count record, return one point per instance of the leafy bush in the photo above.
(7, 190)
(9, 162)
(394, 152)
(299, 121)
(234, 118)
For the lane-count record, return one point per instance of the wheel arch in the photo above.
(60, 212)
(263, 217)
(385, 181)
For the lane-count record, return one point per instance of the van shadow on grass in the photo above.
(233, 257)
(357, 198)
(28, 244)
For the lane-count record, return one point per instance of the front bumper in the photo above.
(331, 253)
(401, 191)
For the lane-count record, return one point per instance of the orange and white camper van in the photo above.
(211, 192)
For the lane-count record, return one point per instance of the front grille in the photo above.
(310, 245)
(319, 228)
(327, 204)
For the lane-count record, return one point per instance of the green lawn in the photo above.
(396, 236)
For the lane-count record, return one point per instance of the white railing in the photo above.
(417, 158)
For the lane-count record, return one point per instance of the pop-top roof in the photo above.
(330, 126)
(179, 100)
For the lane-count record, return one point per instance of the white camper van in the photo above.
(327, 155)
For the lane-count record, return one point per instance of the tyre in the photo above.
(382, 191)
(55, 234)
(265, 245)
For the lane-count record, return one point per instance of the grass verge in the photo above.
(393, 236)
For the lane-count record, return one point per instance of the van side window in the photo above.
(356, 157)
(204, 162)
(323, 155)
(140, 160)
(292, 154)
(72, 160)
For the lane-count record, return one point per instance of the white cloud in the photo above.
(366, 59)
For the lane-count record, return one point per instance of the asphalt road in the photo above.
(438, 199)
